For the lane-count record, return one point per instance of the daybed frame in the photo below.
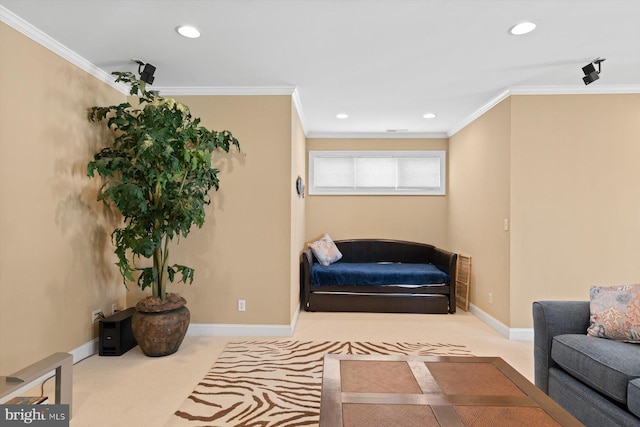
(428, 298)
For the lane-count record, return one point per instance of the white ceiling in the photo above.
(383, 62)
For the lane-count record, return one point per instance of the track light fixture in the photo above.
(146, 71)
(590, 73)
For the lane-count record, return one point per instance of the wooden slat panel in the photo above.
(463, 279)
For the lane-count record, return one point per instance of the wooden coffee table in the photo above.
(374, 390)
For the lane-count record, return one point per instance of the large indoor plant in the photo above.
(158, 173)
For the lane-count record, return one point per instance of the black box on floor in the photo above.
(116, 337)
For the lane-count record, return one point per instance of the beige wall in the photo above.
(414, 218)
(563, 169)
(575, 197)
(56, 259)
(243, 250)
(298, 205)
(479, 204)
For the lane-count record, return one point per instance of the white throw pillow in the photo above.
(325, 251)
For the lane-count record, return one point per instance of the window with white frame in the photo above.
(377, 172)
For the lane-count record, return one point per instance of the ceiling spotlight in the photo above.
(146, 71)
(188, 31)
(590, 72)
(342, 116)
(429, 115)
(522, 28)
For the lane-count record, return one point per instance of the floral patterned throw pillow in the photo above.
(615, 312)
(325, 251)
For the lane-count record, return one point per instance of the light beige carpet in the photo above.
(277, 383)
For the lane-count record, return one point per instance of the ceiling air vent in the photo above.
(397, 130)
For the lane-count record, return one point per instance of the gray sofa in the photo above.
(597, 380)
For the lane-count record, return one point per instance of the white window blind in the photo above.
(334, 172)
(377, 172)
(422, 172)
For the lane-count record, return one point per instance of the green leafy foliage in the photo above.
(158, 174)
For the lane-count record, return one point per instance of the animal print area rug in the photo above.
(277, 383)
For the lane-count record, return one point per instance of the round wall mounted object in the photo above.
(300, 186)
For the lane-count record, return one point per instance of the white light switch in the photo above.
(506, 225)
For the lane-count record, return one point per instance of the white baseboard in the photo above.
(237, 330)
(80, 353)
(91, 347)
(515, 334)
(85, 350)
(241, 330)
(521, 334)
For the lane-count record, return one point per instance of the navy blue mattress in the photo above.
(368, 274)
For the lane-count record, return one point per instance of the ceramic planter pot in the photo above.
(158, 327)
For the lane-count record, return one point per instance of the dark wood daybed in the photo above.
(389, 294)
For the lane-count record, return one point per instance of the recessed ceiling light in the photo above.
(188, 31)
(342, 116)
(430, 115)
(522, 28)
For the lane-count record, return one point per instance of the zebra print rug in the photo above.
(277, 383)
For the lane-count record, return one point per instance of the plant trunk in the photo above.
(160, 260)
(157, 265)
(160, 255)
(162, 274)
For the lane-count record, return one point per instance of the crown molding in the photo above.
(544, 90)
(59, 49)
(295, 96)
(574, 90)
(225, 90)
(479, 112)
(355, 135)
